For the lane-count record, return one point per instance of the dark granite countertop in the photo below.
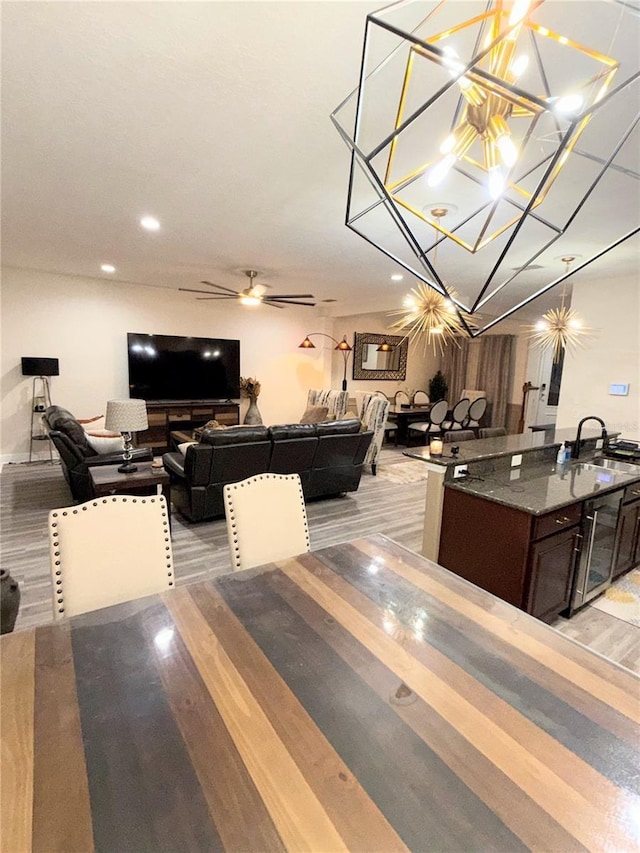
(545, 487)
(487, 448)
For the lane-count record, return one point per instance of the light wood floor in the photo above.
(28, 492)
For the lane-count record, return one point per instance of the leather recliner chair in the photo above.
(76, 454)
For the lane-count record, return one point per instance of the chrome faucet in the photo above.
(576, 446)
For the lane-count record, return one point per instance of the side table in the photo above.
(107, 480)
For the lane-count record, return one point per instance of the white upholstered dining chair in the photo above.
(458, 416)
(266, 519)
(476, 412)
(432, 427)
(107, 551)
(335, 401)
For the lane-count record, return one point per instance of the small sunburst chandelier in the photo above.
(429, 313)
(560, 328)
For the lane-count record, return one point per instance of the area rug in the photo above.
(622, 600)
(410, 471)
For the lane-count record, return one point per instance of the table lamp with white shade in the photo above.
(126, 416)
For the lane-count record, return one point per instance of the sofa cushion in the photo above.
(314, 414)
(283, 432)
(235, 435)
(343, 427)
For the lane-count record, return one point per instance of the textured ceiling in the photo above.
(214, 117)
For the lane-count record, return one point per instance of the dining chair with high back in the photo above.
(266, 519)
(107, 551)
(476, 412)
(421, 398)
(472, 394)
(433, 426)
(492, 432)
(458, 416)
(401, 398)
(454, 436)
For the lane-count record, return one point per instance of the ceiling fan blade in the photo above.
(291, 296)
(193, 290)
(207, 298)
(271, 304)
(289, 302)
(220, 287)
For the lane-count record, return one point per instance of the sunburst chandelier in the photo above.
(525, 110)
(430, 314)
(560, 329)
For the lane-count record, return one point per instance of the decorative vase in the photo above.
(253, 415)
(9, 602)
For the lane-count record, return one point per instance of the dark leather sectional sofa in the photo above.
(76, 454)
(328, 456)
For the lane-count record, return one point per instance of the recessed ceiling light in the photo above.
(150, 223)
(108, 268)
(396, 277)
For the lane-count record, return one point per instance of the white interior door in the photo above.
(542, 405)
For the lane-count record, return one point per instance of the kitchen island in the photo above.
(534, 448)
(544, 536)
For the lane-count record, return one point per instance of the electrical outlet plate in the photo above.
(515, 474)
(516, 460)
(599, 443)
(459, 471)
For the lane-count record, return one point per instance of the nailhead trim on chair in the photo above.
(231, 487)
(55, 540)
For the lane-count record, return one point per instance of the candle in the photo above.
(435, 447)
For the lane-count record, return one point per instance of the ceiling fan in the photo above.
(254, 294)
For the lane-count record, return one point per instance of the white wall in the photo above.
(421, 363)
(84, 323)
(612, 309)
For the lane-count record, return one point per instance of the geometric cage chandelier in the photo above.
(524, 115)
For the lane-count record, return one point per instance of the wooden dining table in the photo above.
(403, 416)
(358, 697)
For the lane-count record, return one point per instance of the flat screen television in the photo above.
(167, 367)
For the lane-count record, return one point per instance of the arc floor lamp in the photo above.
(341, 346)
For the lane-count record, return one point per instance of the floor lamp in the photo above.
(40, 369)
(341, 346)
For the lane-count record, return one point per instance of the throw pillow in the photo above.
(107, 443)
(314, 415)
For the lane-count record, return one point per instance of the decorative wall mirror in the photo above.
(369, 363)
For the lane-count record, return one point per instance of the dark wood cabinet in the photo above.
(628, 538)
(167, 415)
(551, 569)
(526, 560)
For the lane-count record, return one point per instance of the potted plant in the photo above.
(438, 388)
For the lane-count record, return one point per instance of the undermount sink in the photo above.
(610, 464)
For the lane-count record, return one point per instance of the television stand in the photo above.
(167, 415)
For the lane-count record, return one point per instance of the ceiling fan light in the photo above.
(249, 299)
